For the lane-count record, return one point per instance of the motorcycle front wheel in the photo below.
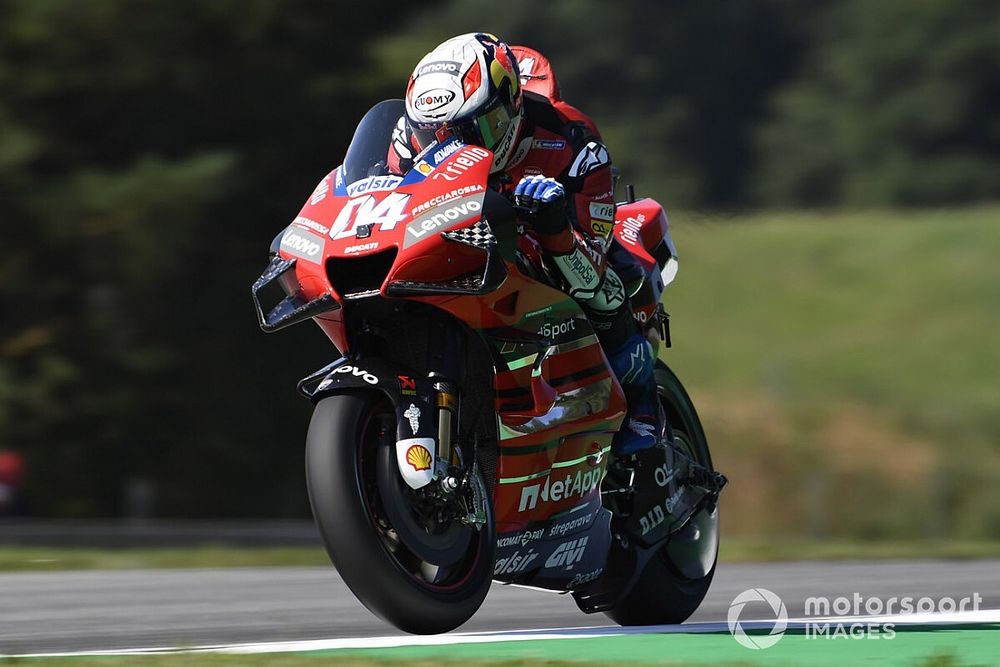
(421, 573)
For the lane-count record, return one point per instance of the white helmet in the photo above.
(468, 88)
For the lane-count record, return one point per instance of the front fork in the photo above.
(447, 416)
(445, 357)
(456, 479)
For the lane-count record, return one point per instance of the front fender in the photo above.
(415, 402)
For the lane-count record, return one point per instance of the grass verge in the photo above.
(907, 649)
(845, 368)
(733, 550)
(14, 558)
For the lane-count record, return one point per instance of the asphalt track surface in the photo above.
(101, 610)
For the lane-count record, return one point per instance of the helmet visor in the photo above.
(486, 129)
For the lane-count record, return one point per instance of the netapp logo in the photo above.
(580, 484)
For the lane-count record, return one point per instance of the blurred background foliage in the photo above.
(846, 363)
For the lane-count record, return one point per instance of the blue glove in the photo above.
(546, 197)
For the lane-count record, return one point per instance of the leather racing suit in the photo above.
(559, 141)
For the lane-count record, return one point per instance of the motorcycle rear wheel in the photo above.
(677, 578)
(346, 436)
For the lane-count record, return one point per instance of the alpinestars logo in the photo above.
(637, 363)
(568, 554)
(524, 67)
(639, 428)
(592, 156)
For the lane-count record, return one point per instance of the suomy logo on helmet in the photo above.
(433, 100)
(446, 66)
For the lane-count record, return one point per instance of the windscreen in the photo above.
(367, 153)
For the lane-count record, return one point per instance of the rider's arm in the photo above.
(588, 181)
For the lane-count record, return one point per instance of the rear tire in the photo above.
(677, 578)
(342, 446)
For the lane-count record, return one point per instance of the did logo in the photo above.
(756, 642)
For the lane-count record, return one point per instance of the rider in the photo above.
(470, 87)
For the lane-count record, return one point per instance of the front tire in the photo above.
(346, 435)
(677, 578)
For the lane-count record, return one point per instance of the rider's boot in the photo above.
(644, 423)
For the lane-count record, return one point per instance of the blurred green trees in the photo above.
(149, 151)
(677, 88)
(895, 102)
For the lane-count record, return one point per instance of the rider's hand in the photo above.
(546, 197)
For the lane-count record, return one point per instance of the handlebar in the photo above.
(499, 208)
(526, 211)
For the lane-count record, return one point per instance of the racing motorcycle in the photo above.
(464, 434)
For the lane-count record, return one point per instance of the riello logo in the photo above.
(573, 485)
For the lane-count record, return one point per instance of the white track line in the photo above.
(969, 617)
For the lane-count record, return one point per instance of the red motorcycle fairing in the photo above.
(556, 401)
(642, 229)
(390, 223)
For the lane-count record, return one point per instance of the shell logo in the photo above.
(418, 457)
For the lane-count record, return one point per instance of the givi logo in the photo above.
(568, 554)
